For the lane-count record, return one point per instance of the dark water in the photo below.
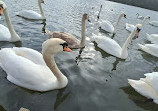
(97, 80)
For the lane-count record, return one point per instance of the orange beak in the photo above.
(1, 11)
(67, 49)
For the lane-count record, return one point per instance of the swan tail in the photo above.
(143, 88)
(148, 36)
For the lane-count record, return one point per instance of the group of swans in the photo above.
(112, 47)
(41, 73)
(9, 34)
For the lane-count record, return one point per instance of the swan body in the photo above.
(70, 39)
(130, 27)
(112, 47)
(27, 68)
(150, 49)
(7, 34)
(29, 14)
(107, 26)
(147, 86)
(139, 16)
(154, 23)
(153, 38)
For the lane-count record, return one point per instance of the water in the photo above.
(97, 80)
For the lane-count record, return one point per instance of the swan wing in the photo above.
(4, 33)
(130, 27)
(107, 26)
(29, 14)
(24, 72)
(108, 45)
(143, 88)
(70, 39)
(153, 78)
(150, 48)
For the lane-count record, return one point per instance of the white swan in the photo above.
(153, 38)
(7, 34)
(139, 16)
(29, 14)
(107, 26)
(154, 23)
(112, 47)
(147, 86)
(27, 68)
(130, 27)
(70, 39)
(150, 48)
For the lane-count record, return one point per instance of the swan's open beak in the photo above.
(137, 32)
(1, 11)
(67, 49)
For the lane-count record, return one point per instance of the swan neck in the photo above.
(41, 10)
(83, 32)
(49, 60)
(118, 21)
(127, 42)
(14, 35)
(144, 20)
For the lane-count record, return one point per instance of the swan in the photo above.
(108, 27)
(70, 39)
(7, 34)
(150, 48)
(130, 27)
(147, 86)
(154, 23)
(112, 47)
(139, 16)
(30, 69)
(29, 14)
(153, 38)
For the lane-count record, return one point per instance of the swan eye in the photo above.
(138, 29)
(1, 6)
(64, 44)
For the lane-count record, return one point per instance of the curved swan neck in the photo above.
(129, 39)
(118, 21)
(14, 35)
(49, 60)
(41, 10)
(144, 20)
(83, 32)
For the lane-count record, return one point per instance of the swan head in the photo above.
(147, 17)
(41, 1)
(86, 17)
(2, 7)
(54, 45)
(123, 15)
(138, 29)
